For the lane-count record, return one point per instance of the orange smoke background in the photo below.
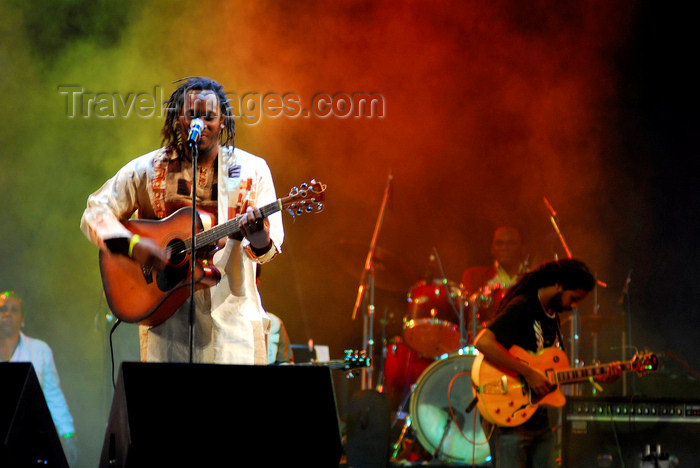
(489, 108)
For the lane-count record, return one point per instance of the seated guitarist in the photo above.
(230, 321)
(529, 318)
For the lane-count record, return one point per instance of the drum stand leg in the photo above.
(399, 442)
(438, 451)
(402, 413)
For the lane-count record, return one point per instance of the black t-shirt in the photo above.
(525, 323)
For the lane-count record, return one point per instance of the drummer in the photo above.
(508, 252)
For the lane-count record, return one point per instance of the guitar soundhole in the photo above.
(177, 270)
(178, 251)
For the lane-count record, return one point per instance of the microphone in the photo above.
(625, 288)
(196, 128)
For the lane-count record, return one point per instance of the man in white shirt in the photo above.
(15, 346)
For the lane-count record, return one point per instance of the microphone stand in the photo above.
(194, 151)
(367, 280)
(627, 336)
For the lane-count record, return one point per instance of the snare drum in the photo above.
(438, 415)
(431, 326)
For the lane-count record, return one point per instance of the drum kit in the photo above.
(425, 370)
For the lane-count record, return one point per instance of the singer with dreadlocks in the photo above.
(230, 323)
(529, 318)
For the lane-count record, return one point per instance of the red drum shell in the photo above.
(430, 326)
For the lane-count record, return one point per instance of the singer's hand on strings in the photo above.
(255, 228)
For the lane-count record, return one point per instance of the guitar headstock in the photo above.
(355, 359)
(307, 198)
(644, 361)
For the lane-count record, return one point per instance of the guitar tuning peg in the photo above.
(304, 186)
(319, 206)
(309, 209)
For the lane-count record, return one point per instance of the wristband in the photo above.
(263, 257)
(134, 240)
(595, 384)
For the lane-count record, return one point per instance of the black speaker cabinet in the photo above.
(602, 432)
(27, 434)
(222, 415)
(368, 426)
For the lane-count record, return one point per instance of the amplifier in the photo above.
(612, 432)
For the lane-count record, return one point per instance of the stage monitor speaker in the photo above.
(27, 434)
(368, 430)
(607, 432)
(222, 415)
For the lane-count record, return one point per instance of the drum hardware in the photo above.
(574, 325)
(459, 420)
(402, 435)
(365, 290)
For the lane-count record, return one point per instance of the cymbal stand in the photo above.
(366, 287)
(459, 311)
(594, 333)
(628, 377)
(574, 331)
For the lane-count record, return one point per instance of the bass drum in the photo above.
(438, 414)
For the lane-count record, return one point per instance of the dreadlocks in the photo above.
(569, 273)
(172, 139)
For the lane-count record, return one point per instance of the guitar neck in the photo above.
(582, 374)
(232, 226)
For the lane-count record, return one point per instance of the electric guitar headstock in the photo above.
(644, 361)
(307, 198)
(355, 359)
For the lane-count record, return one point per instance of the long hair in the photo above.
(172, 139)
(569, 273)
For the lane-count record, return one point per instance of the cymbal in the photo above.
(391, 271)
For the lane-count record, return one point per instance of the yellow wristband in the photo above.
(595, 384)
(134, 240)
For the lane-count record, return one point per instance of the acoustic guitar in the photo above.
(504, 398)
(141, 294)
